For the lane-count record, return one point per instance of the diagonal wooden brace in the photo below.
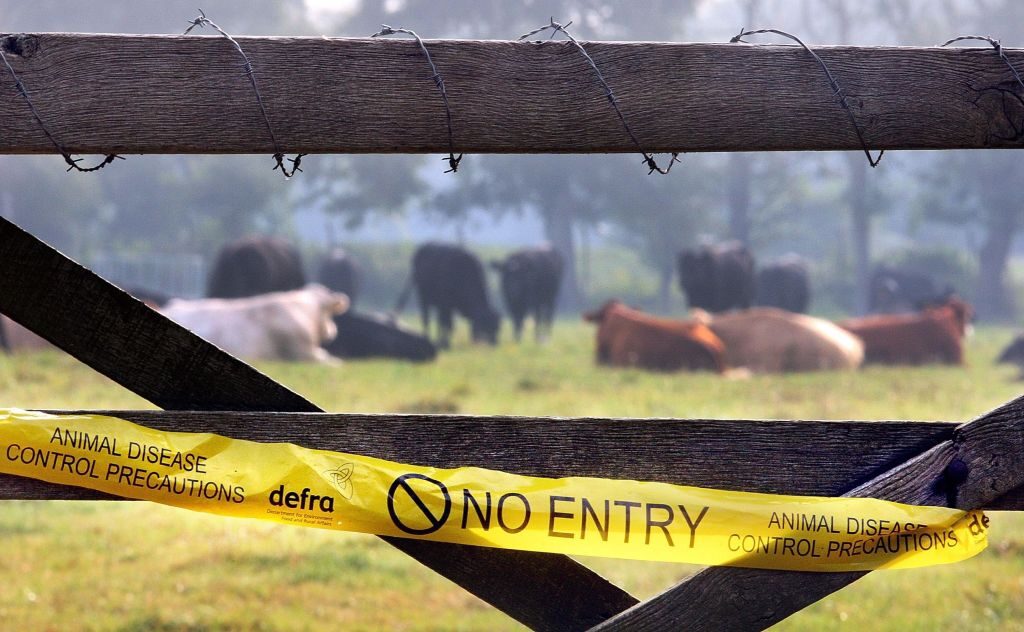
(983, 460)
(148, 354)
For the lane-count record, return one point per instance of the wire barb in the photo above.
(453, 160)
(201, 21)
(837, 90)
(71, 162)
(996, 44)
(648, 160)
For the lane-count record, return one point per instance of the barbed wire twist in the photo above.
(435, 76)
(996, 44)
(837, 90)
(648, 160)
(72, 162)
(201, 21)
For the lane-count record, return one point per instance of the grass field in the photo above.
(136, 566)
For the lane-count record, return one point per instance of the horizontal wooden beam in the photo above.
(821, 458)
(173, 94)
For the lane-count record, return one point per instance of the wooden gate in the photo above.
(154, 94)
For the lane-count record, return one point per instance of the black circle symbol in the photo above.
(436, 522)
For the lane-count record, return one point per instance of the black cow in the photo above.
(529, 282)
(370, 334)
(451, 279)
(785, 283)
(255, 265)
(896, 290)
(717, 277)
(339, 273)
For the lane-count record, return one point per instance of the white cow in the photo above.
(276, 326)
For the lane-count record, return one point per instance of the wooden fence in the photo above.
(152, 94)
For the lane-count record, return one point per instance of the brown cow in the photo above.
(627, 337)
(933, 335)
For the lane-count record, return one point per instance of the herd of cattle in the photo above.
(261, 306)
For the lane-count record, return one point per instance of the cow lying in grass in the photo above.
(933, 335)
(627, 337)
(770, 340)
(277, 326)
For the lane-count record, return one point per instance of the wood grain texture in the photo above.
(189, 95)
(747, 599)
(135, 346)
(817, 457)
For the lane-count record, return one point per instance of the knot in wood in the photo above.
(19, 44)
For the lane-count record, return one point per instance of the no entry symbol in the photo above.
(414, 488)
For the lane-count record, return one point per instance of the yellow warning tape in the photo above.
(576, 516)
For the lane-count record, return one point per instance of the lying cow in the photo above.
(277, 326)
(627, 337)
(771, 340)
(933, 335)
(375, 335)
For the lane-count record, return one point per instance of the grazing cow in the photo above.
(771, 340)
(529, 282)
(627, 337)
(368, 335)
(785, 283)
(339, 273)
(933, 335)
(451, 279)
(275, 326)
(717, 278)
(1013, 354)
(255, 265)
(893, 290)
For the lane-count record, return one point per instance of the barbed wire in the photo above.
(837, 90)
(200, 21)
(435, 76)
(648, 160)
(72, 162)
(996, 44)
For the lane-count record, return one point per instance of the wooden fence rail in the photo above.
(133, 94)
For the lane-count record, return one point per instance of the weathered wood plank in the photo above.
(188, 95)
(988, 452)
(120, 337)
(818, 457)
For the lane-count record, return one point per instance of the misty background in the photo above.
(160, 219)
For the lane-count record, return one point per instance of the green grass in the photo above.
(137, 566)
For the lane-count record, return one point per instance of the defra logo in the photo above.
(301, 500)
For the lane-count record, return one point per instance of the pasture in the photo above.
(133, 566)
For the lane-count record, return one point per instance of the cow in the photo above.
(717, 277)
(1013, 354)
(339, 273)
(785, 283)
(529, 283)
(370, 334)
(631, 338)
(255, 265)
(771, 340)
(274, 326)
(451, 280)
(932, 335)
(894, 290)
